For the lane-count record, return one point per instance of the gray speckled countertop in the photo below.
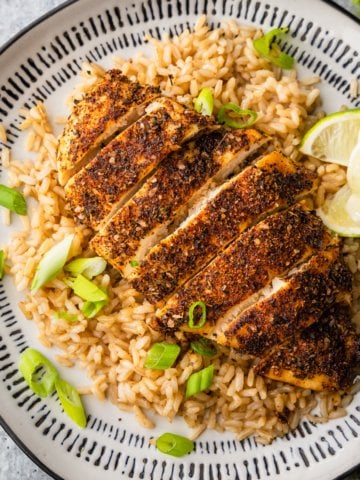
(14, 15)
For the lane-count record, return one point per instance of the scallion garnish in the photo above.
(12, 200)
(69, 317)
(162, 356)
(134, 263)
(175, 445)
(89, 267)
(203, 347)
(199, 381)
(191, 323)
(223, 116)
(38, 371)
(43, 378)
(91, 309)
(52, 263)
(86, 289)
(2, 263)
(71, 402)
(204, 102)
(263, 46)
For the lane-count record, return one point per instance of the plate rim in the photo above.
(3, 48)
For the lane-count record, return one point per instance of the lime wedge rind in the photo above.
(333, 138)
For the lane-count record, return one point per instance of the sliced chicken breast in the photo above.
(272, 182)
(298, 303)
(267, 250)
(111, 177)
(167, 194)
(321, 357)
(110, 106)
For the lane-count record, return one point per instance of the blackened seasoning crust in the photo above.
(269, 184)
(109, 106)
(323, 280)
(165, 196)
(321, 357)
(111, 176)
(270, 248)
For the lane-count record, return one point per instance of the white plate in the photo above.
(42, 64)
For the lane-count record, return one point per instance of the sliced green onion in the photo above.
(71, 402)
(162, 356)
(91, 309)
(175, 445)
(52, 263)
(69, 317)
(86, 289)
(199, 381)
(203, 347)
(263, 46)
(134, 263)
(2, 263)
(202, 321)
(89, 267)
(204, 103)
(223, 117)
(39, 373)
(12, 200)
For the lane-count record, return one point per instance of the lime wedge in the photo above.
(336, 217)
(333, 138)
(353, 207)
(353, 171)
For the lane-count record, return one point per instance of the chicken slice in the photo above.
(298, 303)
(166, 195)
(112, 176)
(321, 357)
(110, 106)
(265, 251)
(272, 182)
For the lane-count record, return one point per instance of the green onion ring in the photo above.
(230, 122)
(204, 102)
(38, 372)
(199, 381)
(202, 321)
(175, 445)
(162, 356)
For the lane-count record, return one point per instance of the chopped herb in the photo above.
(12, 200)
(175, 445)
(162, 356)
(263, 46)
(199, 381)
(223, 116)
(69, 317)
(204, 347)
(52, 263)
(89, 267)
(204, 103)
(191, 323)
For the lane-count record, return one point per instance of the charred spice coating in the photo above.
(101, 111)
(271, 183)
(323, 280)
(322, 356)
(247, 265)
(160, 199)
(98, 188)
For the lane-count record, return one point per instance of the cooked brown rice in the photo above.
(112, 347)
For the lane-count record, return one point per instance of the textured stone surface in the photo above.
(15, 15)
